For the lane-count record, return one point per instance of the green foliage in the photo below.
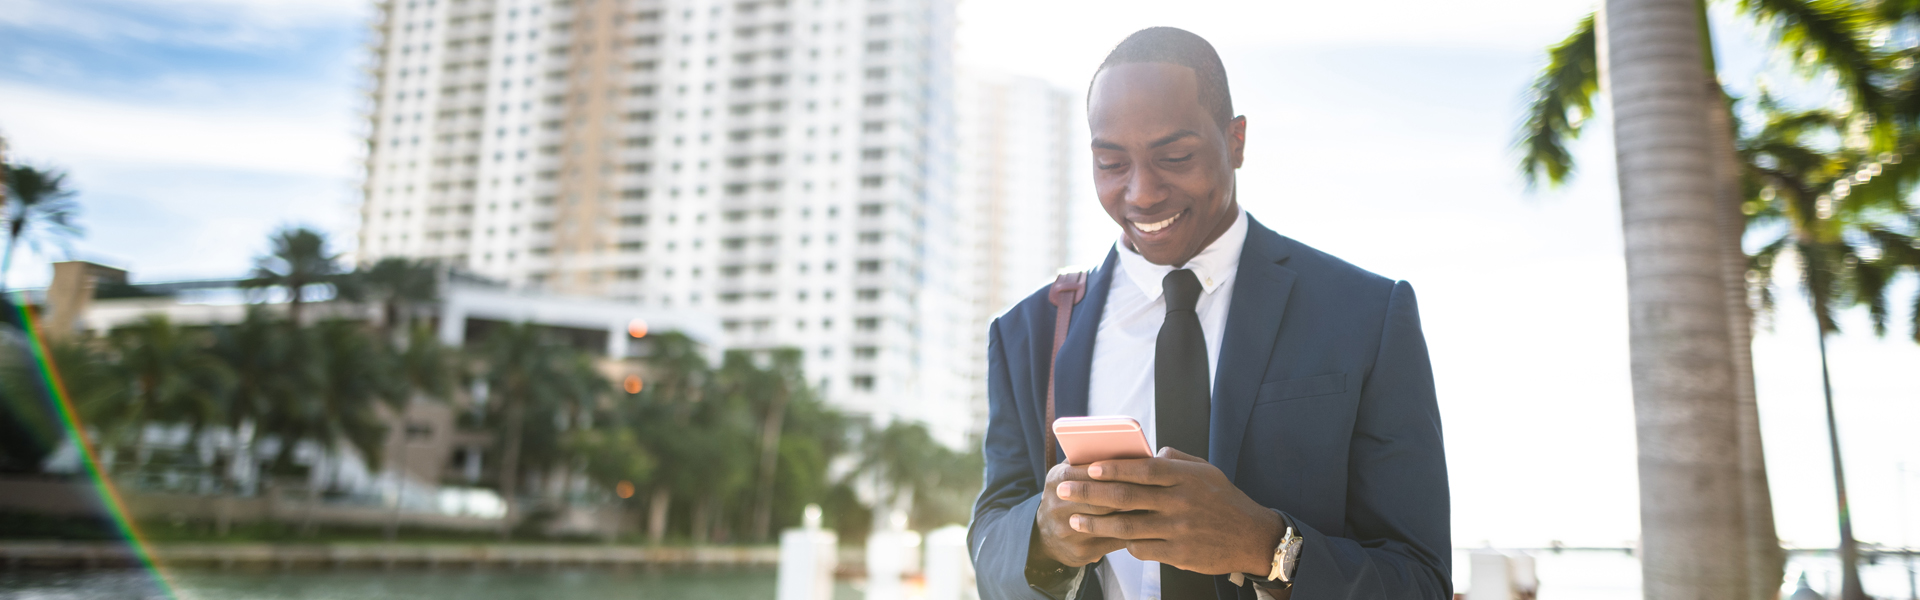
(1838, 207)
(1561, 100)
(36, 207)
(908, 460)
(299, 258)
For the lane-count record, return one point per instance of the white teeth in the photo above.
(1152, 227)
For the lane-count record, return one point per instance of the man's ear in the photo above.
(1237, 141)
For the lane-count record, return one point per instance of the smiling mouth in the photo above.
(1157, 226)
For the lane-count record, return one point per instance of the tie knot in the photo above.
(1182, 289)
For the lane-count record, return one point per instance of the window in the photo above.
(870, 182)
(633, 220)
(634, 194)
(863, 383)
(873, 154)
(867, 323)
(870, 266)
(868, 295)
(871, 237)
(865, 352)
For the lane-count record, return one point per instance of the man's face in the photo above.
(1161, 164)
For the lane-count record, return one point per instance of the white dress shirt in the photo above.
(1123, 348)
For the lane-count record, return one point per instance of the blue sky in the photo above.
(193, 128)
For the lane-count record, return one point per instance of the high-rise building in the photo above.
(781, 164)
(1015, 185)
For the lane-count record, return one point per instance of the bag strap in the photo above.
(1067, 291)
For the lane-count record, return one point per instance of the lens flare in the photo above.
(637, 328)
(70, 421)
(632, 384)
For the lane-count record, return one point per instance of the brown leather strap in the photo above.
(1067, 291)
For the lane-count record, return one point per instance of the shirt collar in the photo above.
(1214, 266)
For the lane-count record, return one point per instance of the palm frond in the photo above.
(1561, 100)
(1826, 36)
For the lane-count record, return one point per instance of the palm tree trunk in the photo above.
(769, 463)
(1684, 407)
(1849, 550)
(510, 463)
(1766, 561)
(701, 527)
(657, 514)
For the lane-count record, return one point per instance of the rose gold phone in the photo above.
(1093, 439)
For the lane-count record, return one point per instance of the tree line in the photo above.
(695, 451)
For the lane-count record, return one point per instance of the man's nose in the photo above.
(1145, 188)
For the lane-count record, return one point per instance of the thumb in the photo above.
(1175, 454)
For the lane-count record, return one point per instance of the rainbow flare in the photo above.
(70, 421)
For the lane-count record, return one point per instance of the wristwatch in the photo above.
(1286, 557)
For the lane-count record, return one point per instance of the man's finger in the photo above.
(1144, 471)
(1154, 550)
(1175, 454)
(1113, 495)
(1123, 526)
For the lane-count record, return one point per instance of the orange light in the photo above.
(632, 384)
(624, 489)
(637, 328)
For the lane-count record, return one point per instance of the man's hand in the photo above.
(1055, 538)
(1180, 510)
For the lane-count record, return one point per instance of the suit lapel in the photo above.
(1076, 355)
(1260, 290)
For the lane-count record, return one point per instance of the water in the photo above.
(585, 584)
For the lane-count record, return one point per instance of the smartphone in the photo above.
(1093, 439)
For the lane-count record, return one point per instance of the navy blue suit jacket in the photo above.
(1323, 409)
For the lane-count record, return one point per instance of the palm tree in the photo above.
(1685, 410)
(299, 259)
(768, 391)
(261, 354)
(1827, 36)
(399, 285)
(528, 370)
(1827, 207)
(175, 379)
(919, 473)
(34, 201)
(337, 377)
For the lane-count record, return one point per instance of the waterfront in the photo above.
(1571, 575)
(574, 584)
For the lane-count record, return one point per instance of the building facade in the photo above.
(784, 165)
(1015, 182)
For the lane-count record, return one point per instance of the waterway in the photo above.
(582, 584)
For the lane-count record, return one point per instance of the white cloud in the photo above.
(217, 23)
(64, 127)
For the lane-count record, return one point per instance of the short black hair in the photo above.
(1175, 46)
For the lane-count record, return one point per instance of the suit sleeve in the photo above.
(1009, 496)
(1398, 540)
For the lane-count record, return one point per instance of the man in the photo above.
(1289, 392)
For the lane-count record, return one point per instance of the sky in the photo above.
(1379, 132)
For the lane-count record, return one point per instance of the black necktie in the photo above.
(1181, 402)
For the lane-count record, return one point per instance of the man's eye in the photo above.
(1110, 166)
(1181, 158)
